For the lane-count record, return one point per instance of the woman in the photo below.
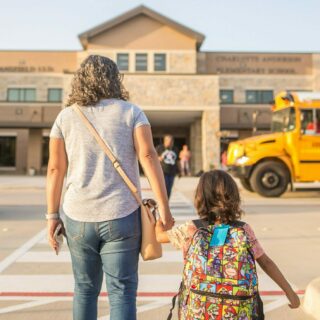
(102, 217)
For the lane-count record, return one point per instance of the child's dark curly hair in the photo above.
(217, 197)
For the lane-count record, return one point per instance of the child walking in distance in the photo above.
(220, 279)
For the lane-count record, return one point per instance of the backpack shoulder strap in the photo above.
(237, 223)
(241, 224)
(200, 223)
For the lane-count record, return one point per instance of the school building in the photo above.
(204, 99)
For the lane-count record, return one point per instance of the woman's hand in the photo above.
(52, 224)
(294, 300)
(167, 219)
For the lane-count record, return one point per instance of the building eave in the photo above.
(84, 36)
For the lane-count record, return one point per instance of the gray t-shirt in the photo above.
(94, 190)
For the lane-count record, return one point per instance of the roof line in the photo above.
(134, 12)
(260, 52)
(39, 50)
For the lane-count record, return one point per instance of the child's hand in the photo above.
(294, 300)
(159, 226)
(161, 233)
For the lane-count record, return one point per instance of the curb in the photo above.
(311, 303)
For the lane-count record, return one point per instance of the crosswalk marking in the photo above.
(64, 257)
(64, 283)
(26, 305)
(21, 250)
(150, 306)
(51, 288)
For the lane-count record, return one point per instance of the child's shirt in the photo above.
(181, 238)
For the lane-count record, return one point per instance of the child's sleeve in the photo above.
(257, 249)
(181, 236)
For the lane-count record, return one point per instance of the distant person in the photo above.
(185, 156)
(220, 257)
(168, 156)
(224, 160)
(310, 128)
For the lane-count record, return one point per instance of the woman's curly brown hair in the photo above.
(217, 197)
(97, 78)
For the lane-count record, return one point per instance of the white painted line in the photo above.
(185, 218)
(69, 298)
(184, 198)
(65, 283)
(156, 304)
(147, 307)
(281, 301)
(182, 211)
(44, 240)
(26, 305)
(34, 298)
(21, 250)
(64, 257)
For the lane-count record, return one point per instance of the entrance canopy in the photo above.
(173, 118)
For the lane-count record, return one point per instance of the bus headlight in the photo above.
(242, 160)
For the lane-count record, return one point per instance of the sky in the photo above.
(229, 25)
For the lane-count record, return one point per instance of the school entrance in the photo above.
(185, 126)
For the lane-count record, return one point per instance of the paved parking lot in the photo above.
(36, 284)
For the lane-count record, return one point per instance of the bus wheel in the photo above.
(246, 184)
(270, 179)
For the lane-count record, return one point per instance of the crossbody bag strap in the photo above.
(109, 153)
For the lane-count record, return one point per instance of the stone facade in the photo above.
(175, 91)
(41, 82)
(210, 139)
(240, 83)
(196, 146)
(316, 72)
(183, 62)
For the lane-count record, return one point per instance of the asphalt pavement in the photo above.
(36, 284)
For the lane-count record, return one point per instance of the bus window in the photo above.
(307, 122)
(317, 121)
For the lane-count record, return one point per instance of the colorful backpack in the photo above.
(219, 279)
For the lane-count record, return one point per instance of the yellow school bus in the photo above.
(268, 163)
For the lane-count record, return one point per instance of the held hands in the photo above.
(160, 227)
(161, 233)
(166, 219)
(51, 227)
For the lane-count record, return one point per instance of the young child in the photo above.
(217, 201)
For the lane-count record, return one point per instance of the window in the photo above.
(310, 121)
(160, 62)
(259, 96)
(226, 96)
(141, 62)
(7, 151)
(283, 120)
(54, 95)
(21, 95)
(123, 61)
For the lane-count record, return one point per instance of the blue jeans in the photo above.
(169, 180)
(109, 247)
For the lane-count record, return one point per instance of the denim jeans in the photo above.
(169, 180)
(109, 247)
